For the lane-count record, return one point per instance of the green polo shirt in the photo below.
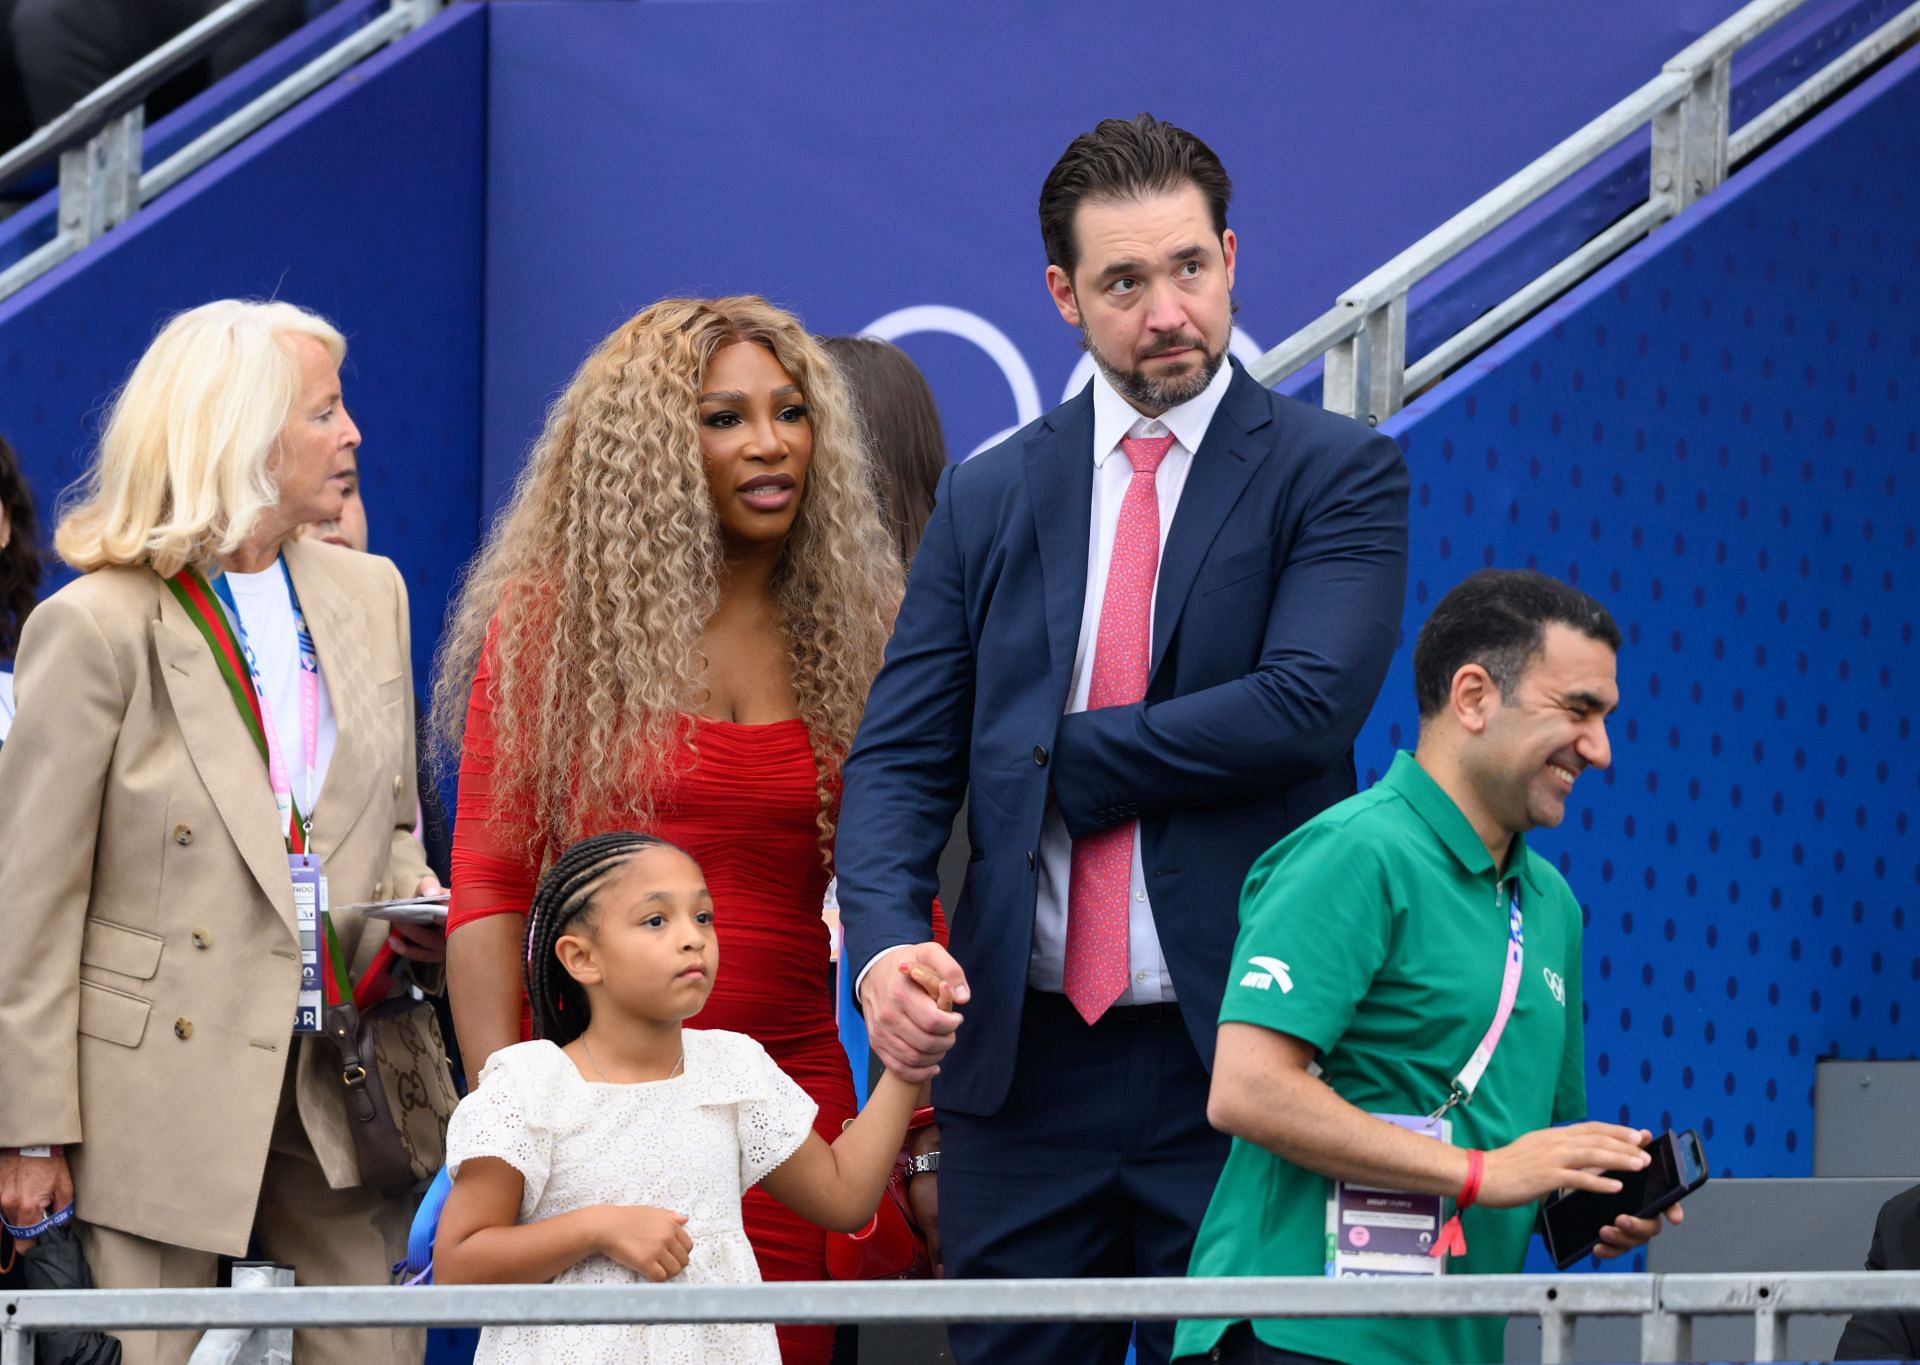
(1392, 931)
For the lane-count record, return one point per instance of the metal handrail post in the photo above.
(1345, 384)
(1556, 1338)
(100, 180)
(1366, 375)
(16, 1345)
(1769, 1334)
(1690, 138)
(1666, 1336)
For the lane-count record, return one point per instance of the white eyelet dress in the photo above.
(692, 1144)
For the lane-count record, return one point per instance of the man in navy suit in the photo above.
(1140, 635)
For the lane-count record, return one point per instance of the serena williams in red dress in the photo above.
(672, 628)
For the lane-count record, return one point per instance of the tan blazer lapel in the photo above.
(223, 753)
(338, 622)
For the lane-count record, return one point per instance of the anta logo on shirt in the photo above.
(1266, 971)
(1555, 984)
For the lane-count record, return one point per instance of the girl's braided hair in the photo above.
(566, 891)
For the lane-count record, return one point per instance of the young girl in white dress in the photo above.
(617, 1146)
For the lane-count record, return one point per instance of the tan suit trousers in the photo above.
(328, 1236)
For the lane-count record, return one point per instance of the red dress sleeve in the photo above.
(493, 862)
(939, 923)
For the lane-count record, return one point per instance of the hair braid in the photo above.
(565, 892)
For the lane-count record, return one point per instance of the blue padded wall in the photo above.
(366, 203)
(850, 158)
(1717, 437)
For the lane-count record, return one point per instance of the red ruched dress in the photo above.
(743, 804)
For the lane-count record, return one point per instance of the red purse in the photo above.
(892, 1245)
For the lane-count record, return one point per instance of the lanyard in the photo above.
(1468, 1079)
(290, 815)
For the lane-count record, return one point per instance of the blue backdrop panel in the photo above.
(1717, 437)
(365, 203)
(852, 159)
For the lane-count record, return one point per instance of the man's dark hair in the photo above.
(1126, 159)
(1498, 618)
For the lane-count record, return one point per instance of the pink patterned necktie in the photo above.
(1102, 870)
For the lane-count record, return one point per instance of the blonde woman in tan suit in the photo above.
(149, 1068)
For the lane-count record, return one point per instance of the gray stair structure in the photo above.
(1866, 1149)
(1866, 1119)
(1744, 1225)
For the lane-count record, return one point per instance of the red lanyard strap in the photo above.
(197, 598)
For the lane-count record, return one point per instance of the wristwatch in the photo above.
(927, 1163)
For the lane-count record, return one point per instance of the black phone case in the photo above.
(1679, 1190)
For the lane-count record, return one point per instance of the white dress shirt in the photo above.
(1113, 418)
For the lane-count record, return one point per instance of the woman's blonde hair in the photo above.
(603, 569)
(181, 475)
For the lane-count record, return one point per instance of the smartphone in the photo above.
(1572, 1219)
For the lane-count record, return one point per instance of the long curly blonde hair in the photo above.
(604, 568)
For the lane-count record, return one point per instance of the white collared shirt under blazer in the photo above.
(152, 959)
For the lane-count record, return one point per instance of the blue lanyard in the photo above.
(277, 773)
(309, 657)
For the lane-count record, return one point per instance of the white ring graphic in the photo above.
(958, 322)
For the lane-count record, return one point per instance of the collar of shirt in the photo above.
(1431, 802)
(1114, 417)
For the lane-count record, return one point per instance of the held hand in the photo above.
(909, 1030)
(648, 1241)
(1630, 1234)
(923, 1191)
(1548, 1159)
(937, 989)
(31, 1187)
(420, 942)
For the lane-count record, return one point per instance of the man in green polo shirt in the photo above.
(1377, 945)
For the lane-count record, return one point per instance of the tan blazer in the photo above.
(148, 952)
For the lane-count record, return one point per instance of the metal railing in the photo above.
(1364, 335)
(98, 140)
(1666, 1305)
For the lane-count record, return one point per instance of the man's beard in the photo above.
(1170, 391)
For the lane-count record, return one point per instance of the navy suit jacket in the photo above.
(1275, 615)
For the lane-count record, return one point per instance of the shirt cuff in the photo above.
(861, 979)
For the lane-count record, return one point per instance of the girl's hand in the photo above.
(648, 1241)
(931, 982)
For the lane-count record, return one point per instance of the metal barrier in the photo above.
(1364, 335)
(1665, 1304)
(98, 140)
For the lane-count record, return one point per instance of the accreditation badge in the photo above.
(1386, 1234)
(309, 904)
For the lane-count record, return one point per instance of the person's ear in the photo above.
(1060, 286)
(1229, 253)
(1473, 698)
(578, 959)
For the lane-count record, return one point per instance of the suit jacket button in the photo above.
(183, 1029)
(182, 835)
(1029, 860)
(1040, 755)
(202, 939)
(396, 784)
